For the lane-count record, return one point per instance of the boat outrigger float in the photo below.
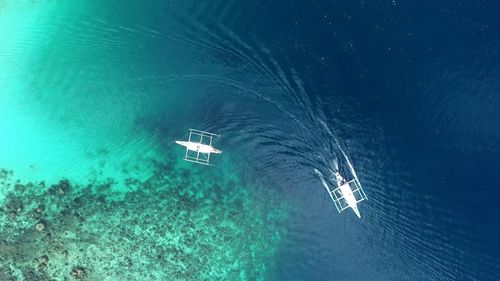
(347, 194)
(199, 147)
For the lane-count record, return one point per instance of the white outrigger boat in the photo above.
(347, 194)
(199, 147)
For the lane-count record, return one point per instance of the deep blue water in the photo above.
(411, 91)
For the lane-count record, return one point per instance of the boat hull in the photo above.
(198, 147)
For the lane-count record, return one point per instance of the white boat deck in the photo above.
(340, 200)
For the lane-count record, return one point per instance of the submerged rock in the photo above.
(61, 188)
(40, 209)
(78, 272)
(12, 215)
(40, 226)
(44, 259)
(42, 267)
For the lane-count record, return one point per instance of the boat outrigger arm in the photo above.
(199, 147)
(347, 194)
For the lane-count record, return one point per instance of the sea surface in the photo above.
(403, 95)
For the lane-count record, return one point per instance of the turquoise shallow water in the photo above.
(92, 184)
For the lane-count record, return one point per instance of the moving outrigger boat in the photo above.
(347, 194)
(199, 147)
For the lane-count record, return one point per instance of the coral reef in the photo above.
(182, 223)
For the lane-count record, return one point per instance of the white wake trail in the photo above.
(335, 164)
(323, 181)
